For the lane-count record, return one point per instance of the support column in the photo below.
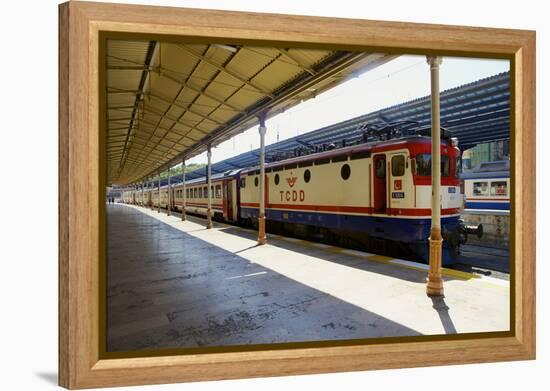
(184, 201)
(158, 194)
(435, 280)
(150, 187)
(142, 193)
(169, 207)
(151, 192)
(209, 191)
(262, 238)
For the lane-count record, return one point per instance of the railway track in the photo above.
(485, 260)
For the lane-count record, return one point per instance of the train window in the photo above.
(277, 179)
(424, 164)
(499, 188)
(481, 188)
(291, 166)
(243, 182)
(307, 176)
(380, 168)
(277, 169)
(200, 192)
(398, 165)
(195, 192)
(218, 191)
(256, 180)
(205, 192)
(306, 164)
(345, 172)
(458, 167)
(445, 165)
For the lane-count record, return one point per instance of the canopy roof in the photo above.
(169, 100)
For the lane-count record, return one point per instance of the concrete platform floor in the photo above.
(174, 284)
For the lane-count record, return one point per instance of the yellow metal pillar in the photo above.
(169, 207)
(158, 195)
(262, 238)
(184, 201)
(151, 192)
(435, 280)
(209, 190)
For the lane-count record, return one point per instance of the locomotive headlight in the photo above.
(454, 141)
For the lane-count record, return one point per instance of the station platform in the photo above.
(176, 284)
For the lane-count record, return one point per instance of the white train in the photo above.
(375, 195)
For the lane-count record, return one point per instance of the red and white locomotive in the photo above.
(375, 194)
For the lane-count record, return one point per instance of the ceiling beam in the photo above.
(149, 58)
(199, 91)
(286, 53)
(227, 71)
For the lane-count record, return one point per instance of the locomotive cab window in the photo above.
(380, 168)
(481, 188)
(424, 165)
(445, 165)
(243, 182)
(499, 188)
(458, 167)
(398, 165)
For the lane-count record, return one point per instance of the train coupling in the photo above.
(466, 230)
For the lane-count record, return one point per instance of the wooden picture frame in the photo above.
(81, 196)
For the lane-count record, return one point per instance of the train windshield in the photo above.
(424, 165)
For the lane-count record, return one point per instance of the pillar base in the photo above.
(262, 238)
(435, 279)
(435, 287)
(209, 219)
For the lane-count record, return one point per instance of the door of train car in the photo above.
(379, 184)
(227, 201)
(172, 197)
(230, 199)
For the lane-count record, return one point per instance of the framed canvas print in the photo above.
(246, 195)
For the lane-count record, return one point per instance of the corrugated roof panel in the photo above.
(179, 94)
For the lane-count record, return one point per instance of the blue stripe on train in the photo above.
(391, 228)
(503, 205)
